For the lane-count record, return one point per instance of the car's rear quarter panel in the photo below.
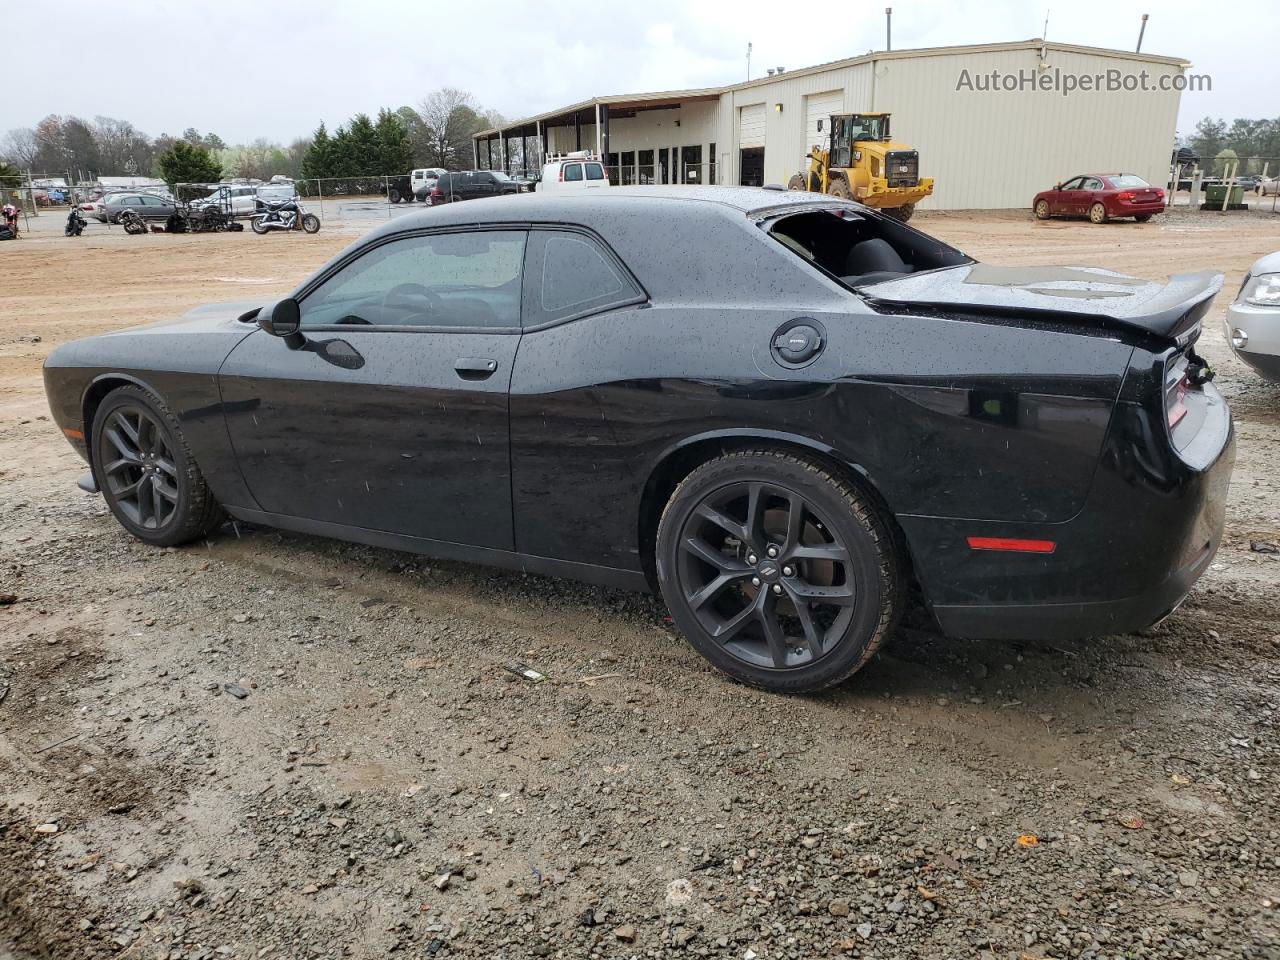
(943, 417)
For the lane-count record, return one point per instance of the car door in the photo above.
(1064, 201)
(595, 175)
(393, 416)
(1091, 189)
(571, 174)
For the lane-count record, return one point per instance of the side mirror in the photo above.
(1057, 186)
(283, 319)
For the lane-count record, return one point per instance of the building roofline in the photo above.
(1035, 43)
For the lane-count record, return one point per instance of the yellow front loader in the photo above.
(861, 162)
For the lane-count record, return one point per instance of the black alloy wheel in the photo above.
(778, 571)
(145, 472)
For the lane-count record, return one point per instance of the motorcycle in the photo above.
(132, 222)
(75, 223)
(284, 215)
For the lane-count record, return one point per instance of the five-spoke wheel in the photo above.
(777, 570)
(145, 472)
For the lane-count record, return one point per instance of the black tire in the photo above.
(1142, 217)
(741, 609)
(310, 223)
(903, 213)
(394, 195)
(257, 225)
(153, 466)
(839, 187)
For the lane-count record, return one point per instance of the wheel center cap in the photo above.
(768, 571)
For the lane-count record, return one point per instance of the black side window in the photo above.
(573, 275)
(466, 279)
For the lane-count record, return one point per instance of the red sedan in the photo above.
(1100, 196)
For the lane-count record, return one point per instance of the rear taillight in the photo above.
(435, 192)
(1127, 195)
(562, 174)
(1176, 385)
(1159, 194)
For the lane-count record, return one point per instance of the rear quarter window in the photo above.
(573, 275)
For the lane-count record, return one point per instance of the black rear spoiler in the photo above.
(1174, 313)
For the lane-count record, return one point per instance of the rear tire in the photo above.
(801, 618)
(1142, 217)
(394, 195)
(146, 473)
(1042, 209)
(1098, 213)
(258, 226)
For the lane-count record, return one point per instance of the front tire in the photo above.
(1098, 213)
(146, 473)
(310, 223)
(778, 571)
(798, 182)
(394, 195)
(1042, 209)
(902, 214)
(840, 188)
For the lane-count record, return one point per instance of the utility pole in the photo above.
(888, 28)
(748, 59)
(1141, 31)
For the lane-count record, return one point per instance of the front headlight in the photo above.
(1263, 291)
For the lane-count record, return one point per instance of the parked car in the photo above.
(573, 171)
(1100, 197)
(147, 206)
(270, 193)
(778, 409)
(235, 200)
(423, 180)
(472, 185)
(94, 208)
(1253, 318)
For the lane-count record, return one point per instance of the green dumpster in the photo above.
(1215, 192)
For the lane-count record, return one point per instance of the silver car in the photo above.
(1253, 319)
(148, 206)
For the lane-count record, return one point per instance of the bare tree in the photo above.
(451, 116)
(20, 147)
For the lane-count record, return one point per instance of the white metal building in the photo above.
(985, 148)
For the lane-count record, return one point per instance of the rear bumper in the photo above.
(1120, 209)
(881, 195)
(1149, 528)
(1071, 621)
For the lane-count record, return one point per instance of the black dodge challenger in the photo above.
(784, 411)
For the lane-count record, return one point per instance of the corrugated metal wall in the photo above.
(996, 150)
(985, 150)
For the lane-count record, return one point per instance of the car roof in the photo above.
(589, 205)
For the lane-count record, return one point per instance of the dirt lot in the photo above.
(385, 785)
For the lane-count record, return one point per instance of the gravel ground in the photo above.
(270, 745)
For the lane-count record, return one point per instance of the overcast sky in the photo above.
(245, 68)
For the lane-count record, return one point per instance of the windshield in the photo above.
(862, 127)
(500, 175)
(1128, 180)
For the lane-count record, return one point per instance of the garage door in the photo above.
(818, 108)
(751, 126)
